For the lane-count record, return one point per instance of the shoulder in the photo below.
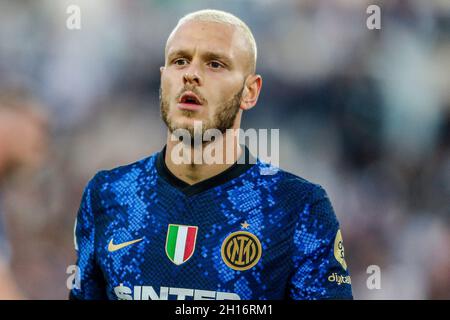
(305, 202)
(122, 175)
(290, 184)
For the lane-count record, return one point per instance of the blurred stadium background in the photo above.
(365, 113)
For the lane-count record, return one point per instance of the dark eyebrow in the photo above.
(178, 53)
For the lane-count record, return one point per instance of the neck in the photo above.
(194, 166)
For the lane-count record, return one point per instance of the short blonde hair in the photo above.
(211, 15)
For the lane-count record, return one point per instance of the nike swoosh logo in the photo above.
(114, 247)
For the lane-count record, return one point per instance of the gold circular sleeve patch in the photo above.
(241, 250)
(339, 250)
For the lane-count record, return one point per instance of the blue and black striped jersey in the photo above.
(142, 233)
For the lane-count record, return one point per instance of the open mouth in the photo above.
(190, 98)
(189, 101)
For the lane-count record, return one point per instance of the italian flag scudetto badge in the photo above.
(180, 242)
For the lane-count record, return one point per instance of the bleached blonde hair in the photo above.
(211, 15)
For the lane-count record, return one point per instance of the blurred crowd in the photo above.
(365, 113)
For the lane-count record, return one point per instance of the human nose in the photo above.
(192, 77)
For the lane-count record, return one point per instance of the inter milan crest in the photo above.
(180, 242)
(241, 250)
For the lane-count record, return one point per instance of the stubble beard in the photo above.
(223, 118)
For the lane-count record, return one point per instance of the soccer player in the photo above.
(164, 229)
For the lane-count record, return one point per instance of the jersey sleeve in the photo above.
(89, 282)
(320, 270)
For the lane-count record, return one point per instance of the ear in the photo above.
(251, 92)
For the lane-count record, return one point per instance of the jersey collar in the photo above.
(245, 162)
